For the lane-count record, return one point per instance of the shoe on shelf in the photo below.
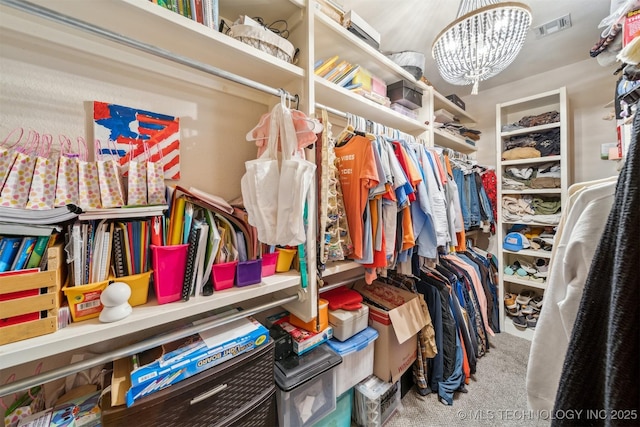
(520, 322)
(511, 270)
(532, 320)
(528, 309)
(545, 245)
(514, 311)
(536, 302)
(524, 297)
(542, 265)
(526, 266)
(536, 278)
(510, 301)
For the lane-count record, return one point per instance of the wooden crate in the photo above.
(47, 302)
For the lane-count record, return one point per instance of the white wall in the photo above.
(52, 91)
(589, 87)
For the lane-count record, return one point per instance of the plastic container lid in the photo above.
(296, 369)
(356, 343)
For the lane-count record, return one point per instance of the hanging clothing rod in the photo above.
(45, 13)
(54, 374)
(332, 110)
(328, 287)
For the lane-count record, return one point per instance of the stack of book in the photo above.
(22, 247)
(204, 12)
(340, 72)
(103, 248)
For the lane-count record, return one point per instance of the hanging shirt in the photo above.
(422, 217)
(437, 198)
(358, 174)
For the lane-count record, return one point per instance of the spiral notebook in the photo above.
(194, 239)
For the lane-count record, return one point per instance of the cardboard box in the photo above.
(303, 340)
(173, 362)
(397, 325)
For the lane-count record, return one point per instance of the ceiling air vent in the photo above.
(554, 26)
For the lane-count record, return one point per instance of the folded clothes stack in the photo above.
(529, 209)
(529, 121)
(546, 175)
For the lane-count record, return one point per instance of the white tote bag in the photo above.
(274, 197)
(296, 177)
(260, 184)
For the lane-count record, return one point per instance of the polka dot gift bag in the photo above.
(42, 193)
(136, 178)
(88, 181)
(8, 155)
(110, 175)
(67, 178)
(15, 191)
(155, 177)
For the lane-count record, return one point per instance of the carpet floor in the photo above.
(496, 394)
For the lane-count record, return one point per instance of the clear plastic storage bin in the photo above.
(357, 359)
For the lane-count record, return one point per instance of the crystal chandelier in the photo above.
(483, 40)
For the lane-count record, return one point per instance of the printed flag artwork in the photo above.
(130, 128)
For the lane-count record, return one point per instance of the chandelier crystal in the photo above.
(483, 40)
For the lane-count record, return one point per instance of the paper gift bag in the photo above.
(8, 155)
(136, 181)
(88, 185)
(88, 180)
(155, 179)
(66, 181)
(67, 176)
(42, 193)
(15, 191)
(110, 175)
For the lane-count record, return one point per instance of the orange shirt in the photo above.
(358, 173)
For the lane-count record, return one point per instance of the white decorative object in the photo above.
(115, 302)
(483, 40)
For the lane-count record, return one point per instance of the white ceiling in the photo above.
(413, 25)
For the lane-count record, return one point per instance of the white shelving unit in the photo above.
(26, 37)
(215, 112)
(147, 316)
(441, 137)
(509, 113)
(330, 39)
